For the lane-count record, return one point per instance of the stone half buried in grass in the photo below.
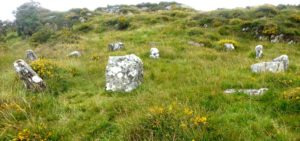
(229, 46)
(74, 54)
(115, 46)
(124, 73)
(247, 91)
(29, 77)
(30, 55)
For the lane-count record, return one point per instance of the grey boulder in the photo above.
(229, 46)
(259, 51)
(74, 54)
(279, 64)
(124, 73)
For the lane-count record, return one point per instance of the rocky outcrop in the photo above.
(124, 73)
(29, 77)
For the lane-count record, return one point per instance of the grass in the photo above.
(194, 77)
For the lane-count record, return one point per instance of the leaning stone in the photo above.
(115, 46)
(247, 91)
(268, 67)
(30, 55)
(74, 54)
(284, 59)
(124, 73)
(259, 51)
(154, 53)
(229, 46)
(29, 77)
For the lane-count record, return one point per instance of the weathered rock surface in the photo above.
(29, 77)
(259, 51)
(74, 54)
(154, 53)
(284, 59)
(30, 55)
(279, 64)
(229, 46)
(115, 46)
(247, 91)
(268, 67)
(124, 73)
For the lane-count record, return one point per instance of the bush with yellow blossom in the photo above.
(44, 67)
(171, 121)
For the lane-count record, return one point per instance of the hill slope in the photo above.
(181, 97)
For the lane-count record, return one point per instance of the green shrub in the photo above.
(42, 36)
(295, 17)
(270, 29)
(120, 23)
(86, 27)
(195, 32)
(224, 30)
(67, 36)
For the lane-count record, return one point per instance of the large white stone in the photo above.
(268, 67)
(124, 73)
(279, 64)
(154, 53)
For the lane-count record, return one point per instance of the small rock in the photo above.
(74, 54)
(82, 19)
(124, 73)
(30, 55)
(29, 77)
(192, 43)
(229, 46)
(247, 91)
(259, 51)
(115, 46)
(291, 42)
(154, 53)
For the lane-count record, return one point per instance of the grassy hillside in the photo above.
(181, 97)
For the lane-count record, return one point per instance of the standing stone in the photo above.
(124, 73)
(30, 55)
(229, 46)
(115, 46)
(74, 54)
(284, 59)
(29, 77)
(154, 53)
(259, 51)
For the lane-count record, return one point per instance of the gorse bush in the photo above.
(67, 36)
(120, 23)
(45, 68)
(171, 122)
(86, 27)
(270, 29)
